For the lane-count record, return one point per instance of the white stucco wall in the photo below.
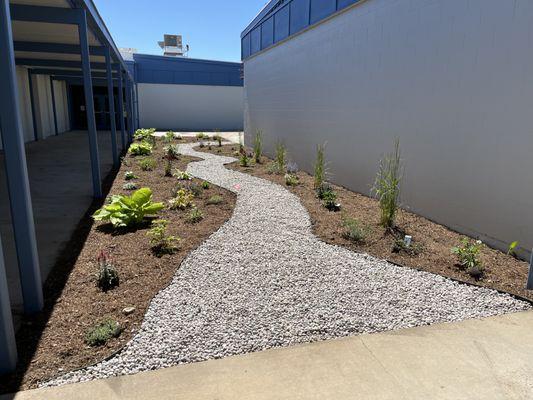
(451, 79)
(191, 107)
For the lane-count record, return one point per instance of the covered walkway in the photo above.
(59, 173)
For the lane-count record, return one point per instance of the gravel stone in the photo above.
(263, 280)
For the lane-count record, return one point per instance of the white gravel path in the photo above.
(264, 280)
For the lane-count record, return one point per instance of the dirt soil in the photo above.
(53, 342)
(434, 241)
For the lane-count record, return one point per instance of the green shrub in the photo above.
(218, 139)
(329, 200)
(147, 164)
(258, 146)
(272, 168)
(387, 186)
(195, 216)
(354, 231)
(323, 189)
(143, 134)
(127, 211)
(244, 160)
(159, 240)
(200, 136)
(107, 273)
(130, 186)
(400, 246)
(103, 332)
(320, 166)
(182, 200)
(129, 175)
(182, 175)
(291, 180)
(205, 185)
(215, 200)
(280, 159)
(169, 136)
(172, 152)
(140, 149)
(468, 255)
(511, 251)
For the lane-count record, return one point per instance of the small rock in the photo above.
(128, 310)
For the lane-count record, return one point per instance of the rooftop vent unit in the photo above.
(173, 46)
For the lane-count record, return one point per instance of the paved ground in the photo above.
(264, 281)
(61, 188)
(489, 359)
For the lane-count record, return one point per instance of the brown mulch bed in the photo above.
(53, 342)
(501, 271)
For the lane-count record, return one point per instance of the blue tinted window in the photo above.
(267, 33)
(255, 45)
(246, 46)
(320, 9)
(346, 3)
(299, 15)
(281, 24)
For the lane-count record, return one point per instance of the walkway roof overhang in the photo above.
(45, 36)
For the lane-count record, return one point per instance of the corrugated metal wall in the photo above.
(451, 79)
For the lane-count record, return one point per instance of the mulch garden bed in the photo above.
(501, 271)
(53, 342)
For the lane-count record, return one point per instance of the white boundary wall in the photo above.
(191, 107)
(451, 79)
(44, 114)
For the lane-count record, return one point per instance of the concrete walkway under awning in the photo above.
(59, 172)
(489, 359)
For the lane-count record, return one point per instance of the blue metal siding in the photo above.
(281, 24)
(185, 71)
(321, 9)
(267, 33)
(256, 40)
(299, 18)
(288, 17)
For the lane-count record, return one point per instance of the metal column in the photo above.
(32, 105)
(121, 108)
(111, 107)
(129, 119)
(17, 170)
(54, 104)
(89, 104)
(8, 345)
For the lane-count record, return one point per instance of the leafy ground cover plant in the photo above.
(258, 146)
(329, 200)
(182, 175)
(169, 136)
(195, 216)
(215, 200)
(320, 166)
(182, 200)
(103, 332)
(200, 136)
(107, 273)
(387, 186)
(244, 160)
(161, 242)
(468, 255)
(291, 179)
(205, 185)
(143, 134)
(140, 149)
(129, 211)
(130, 186)
(512, 249)
(355, 231)
(399, 246)
(147, 164)
(129, 175)
(172, 151)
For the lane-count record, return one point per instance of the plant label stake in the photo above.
(530, 277)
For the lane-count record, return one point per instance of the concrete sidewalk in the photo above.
(475, 359)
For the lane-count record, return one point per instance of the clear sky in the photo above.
(212, 28)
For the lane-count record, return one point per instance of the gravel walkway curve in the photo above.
(264, 280)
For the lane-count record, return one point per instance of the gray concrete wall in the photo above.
(451, 79)
(191, 107)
